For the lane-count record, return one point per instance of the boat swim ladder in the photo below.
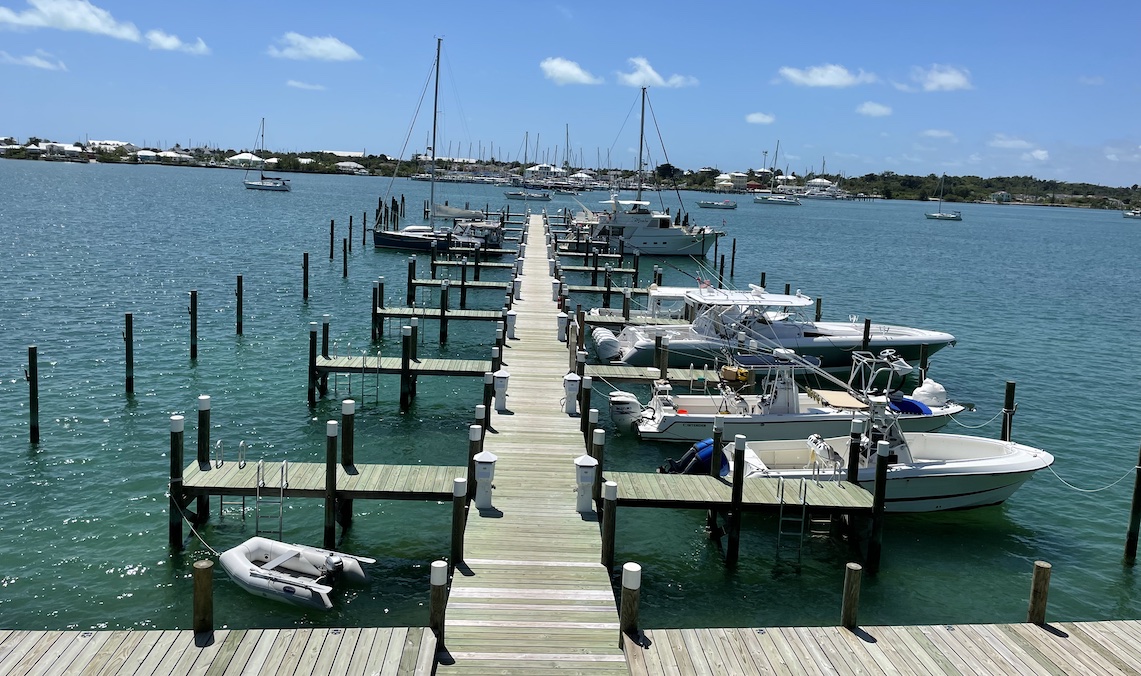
(791, 525)
(237, 502)
(266, 497)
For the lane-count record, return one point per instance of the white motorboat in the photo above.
(927, 472)
(941, 215)
(726, 321)
(723, 204)
(786, 200)
(781, 409)
(528, 195)
(1131, 213)
(291, 573)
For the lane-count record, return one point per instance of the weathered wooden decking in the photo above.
(307, 480)
(399, 650)
(648, 374)
(692, 491)
(1026, 649)
(392, 366)
(531, 595)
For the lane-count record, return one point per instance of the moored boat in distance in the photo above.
(271, 183)
(723, 204)
(941, 215)
(783, 200)
(527, 195)
(1131, 213)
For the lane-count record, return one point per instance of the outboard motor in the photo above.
(334, 566)
(696, 460)
(606, 344)
(625, 410)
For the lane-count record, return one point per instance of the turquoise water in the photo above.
(1044, 297)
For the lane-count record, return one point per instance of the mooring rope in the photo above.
(192, 529)
(1095, 490)
(975, 427)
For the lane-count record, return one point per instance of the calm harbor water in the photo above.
(1045, 297)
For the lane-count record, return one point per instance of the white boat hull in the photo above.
(946, 472)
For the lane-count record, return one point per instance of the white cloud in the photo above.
(296, 84)
(70, 15)
(760, 118)
(645, 76)
(941, 78)
(1009, 143)
(306, 48)
(1092, 80)
(157, 39)
(563, 71)
(937, 133)
(1038, 155)
(40, 59)
(873, 109)
(827, 75)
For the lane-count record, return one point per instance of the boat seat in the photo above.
(281, 559)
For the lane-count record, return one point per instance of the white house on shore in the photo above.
(245, 160)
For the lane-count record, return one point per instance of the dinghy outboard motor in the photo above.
(334, 565)
(695, 460)
(606, 344)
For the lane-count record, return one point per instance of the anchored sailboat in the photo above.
(272, 183)
(941, 215)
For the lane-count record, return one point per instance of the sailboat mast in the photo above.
(641, 144)
(435, 111)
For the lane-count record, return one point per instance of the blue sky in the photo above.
(991, 89)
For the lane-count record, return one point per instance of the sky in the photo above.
(1045, 89)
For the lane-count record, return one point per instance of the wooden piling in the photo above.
(733, 259)
(438, 601)
(463, 284)
(203, 617)
(364, 228)
(857, 431)
(349, 240)
(459, 521)
(193, 325)
(348, 461)
(867, 335)
(33, 376)
(445, 289)
(850, 605)
(174, 518)
(586, 385)
(202, 512)
(129, 339)
(1008, 409)
(305, 277)
(405, 368)
(1134, 517)
(923, 358)
(598, 452)
(733, 550)
(474, 446)
(330, 538)
(345, 258)
(762, 280)
(238, 293)
(332, 239)
(631, 596)
(410, 299)
(875, 544)
(488, 396)
(626, 304)
(609, 509)
(721, 273)
(787, 289)
(323, 383)
(311, 387)
(819, 309)
(718, 444)
(1039, 591)
(374, 318)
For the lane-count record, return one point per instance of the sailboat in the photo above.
(941, 215)
(524, 194)
(463, 235)
(773, 198)
(266, 182)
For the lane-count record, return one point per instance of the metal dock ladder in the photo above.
(791, 525)
(234, 502)
(266, 497)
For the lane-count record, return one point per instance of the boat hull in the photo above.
(289, 573)
(272, 186)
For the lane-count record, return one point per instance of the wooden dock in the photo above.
(692, 491)
(648, 374)
(392, 366)
(531, 595)
(395, 651)
(307, 480)
(1027, 649)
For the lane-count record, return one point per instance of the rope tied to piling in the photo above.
(975, 427)
(1095, 490)
(190, 524)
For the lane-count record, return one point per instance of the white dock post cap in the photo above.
(446, 283)
(665, 341)
(882, 449)
(406, 330)
(631, 575)
(203, 402)
(598, 436)
(580, 355)
(475, 432)
(325, 319)
(312, 327)
(459, 487)
(177, 423)
(331, 428)
(592, 416)
(439, 576)
(348, 407)
(414, 322)
(610, 491)
(485, 456)
(626, 291)
(857, 424)
(488, 378)
(739, 441)
(718, 422)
